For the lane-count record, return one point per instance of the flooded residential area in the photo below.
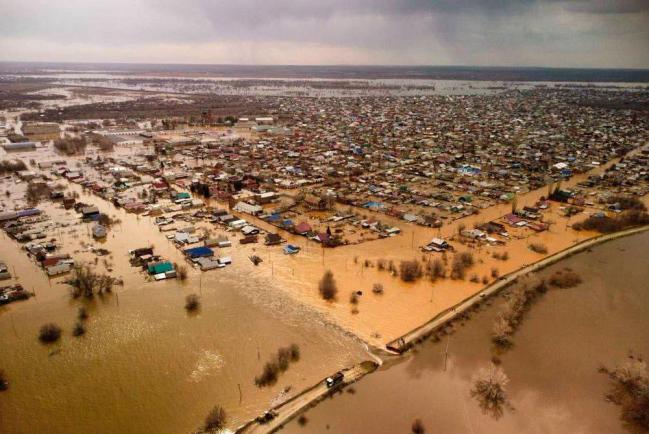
(236, 261)
(343, 217)
(143, 339)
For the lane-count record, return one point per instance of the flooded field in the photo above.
(316, 85)
(145, 365)
(553, 366)
(307, 87)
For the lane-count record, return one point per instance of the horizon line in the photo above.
(352, 65)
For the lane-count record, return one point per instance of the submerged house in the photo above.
(59, 268)
(248, 208)
(273, 239)
(249, 230)
(19, 146)
(181, 196)
(206, 264)
(29, 212)
(322, 237)
(136, 253)
(162, 270)
(248, 239)
(90, 212)
(266, 197)
(493, 227)
(436, 245)
(199, 252)
(303, 228)
(290, 249)
(161, 267)
(560, 195)
(317, 203)
(514, 220)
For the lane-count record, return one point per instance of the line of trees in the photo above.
(71, 145)
(521, 298)
(11, 166)
(607, 225)
(86, 283)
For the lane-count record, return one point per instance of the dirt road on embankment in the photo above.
(404, 342)
(294, 406)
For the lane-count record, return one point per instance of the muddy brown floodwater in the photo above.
(554, 384)
(145, 365)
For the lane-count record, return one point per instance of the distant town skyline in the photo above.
(552, 33)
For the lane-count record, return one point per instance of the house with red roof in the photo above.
(303, 228)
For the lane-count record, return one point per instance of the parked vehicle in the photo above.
(266, 417)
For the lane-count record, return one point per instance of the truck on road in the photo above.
(334, 380)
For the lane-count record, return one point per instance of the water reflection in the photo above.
(554, 386)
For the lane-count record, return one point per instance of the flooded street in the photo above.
(553, 366)
(145, 365)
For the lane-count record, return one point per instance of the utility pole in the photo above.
(448, 341)
(13, 326)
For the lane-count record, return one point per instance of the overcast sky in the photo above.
(588, 33)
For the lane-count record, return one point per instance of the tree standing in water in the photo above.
(328, 288)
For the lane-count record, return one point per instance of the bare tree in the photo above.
(216, 419)
(86, 282)
(49, 333)
(437, 269)
(489, 388)
(630, 390)
(418, 427)
(409, 271)
(4, 383)
(327, 287)
(192, 303)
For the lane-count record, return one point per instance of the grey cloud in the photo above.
(607, 6)
(414, 31)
